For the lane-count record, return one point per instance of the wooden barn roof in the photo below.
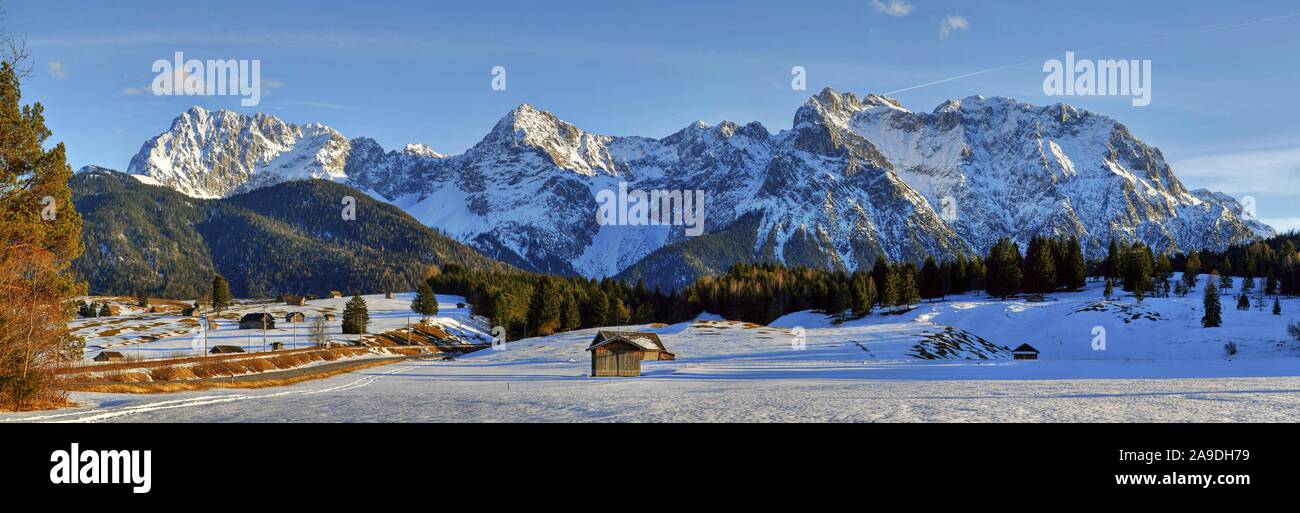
(641, 339)
(257, 317)
(1024, 348)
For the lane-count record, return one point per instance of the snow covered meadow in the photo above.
(1158, 364)
(138, 333)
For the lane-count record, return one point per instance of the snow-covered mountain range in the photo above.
(852, 179)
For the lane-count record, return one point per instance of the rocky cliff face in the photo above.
(852, 179)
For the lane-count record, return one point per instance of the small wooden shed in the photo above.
(257, 321)
(619, 353)
(335, 293)
(1025, 352)
(109, 356)
(190, 312)
(329, 316)
(295, 317)
(225, 349)
(277, 346)
(295, 300)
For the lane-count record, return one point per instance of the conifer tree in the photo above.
(425, 302)
(931, 285)
(1040, 269)
(544, 309)
(960, 275)
(1076, 269)
(600, 309)
(356, 316)
(864, 293)
(1004, 275)
(1213, 315)
(1243, 302)
(910, 291)
(1112, 263)
(220, 293)
(570, 319)
(889, 295)
(618, 311)
(1109, 293)
(40, 237)
(1277, 306)
(879, 273)
(1192, 269)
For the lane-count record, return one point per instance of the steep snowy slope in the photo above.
(852, 179)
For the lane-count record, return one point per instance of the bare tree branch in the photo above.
(14, 50)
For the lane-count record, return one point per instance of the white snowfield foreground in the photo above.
(1160, 365)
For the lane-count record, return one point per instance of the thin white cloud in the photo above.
(57, 70)
(1265, 171)
(895, 8)
(1282, 224)
(321, 105)
(953, 22)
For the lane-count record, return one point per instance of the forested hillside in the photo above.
(287, 239)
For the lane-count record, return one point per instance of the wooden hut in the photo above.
(619, 353)
(295, 317)
(277, 346)
(1025, 352)
(329, 316)
(189, 311)
(335, 293)
(109, 356)
(226, 349)
(257, 321)
(295, 300)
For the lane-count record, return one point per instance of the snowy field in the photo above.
(1158, 365)
(138, 333)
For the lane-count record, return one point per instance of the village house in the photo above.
(109, 356)
(189, 312)
(226, 349)
(619, 353)
(292, 317)
(295, 300)
(335, 293)
(1025, 352)
(257, 321)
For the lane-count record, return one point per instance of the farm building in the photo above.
(329, 316)
(295, 317)
(190, 312)
(335, 293)
(295, 300)
(277, 346)
(619, 353)
(226, 349)
(109, 356)
(257, 321)
(1025, 352)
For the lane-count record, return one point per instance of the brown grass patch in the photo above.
(155, 388)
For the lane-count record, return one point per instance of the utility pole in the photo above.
(295, 333)
(263, 333)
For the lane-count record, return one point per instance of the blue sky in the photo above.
(1224, 75)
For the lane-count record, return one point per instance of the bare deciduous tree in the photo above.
(318, 331)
